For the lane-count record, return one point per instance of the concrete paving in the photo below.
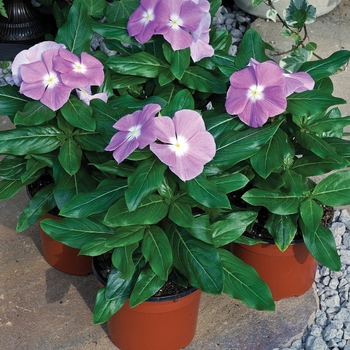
(44, 309)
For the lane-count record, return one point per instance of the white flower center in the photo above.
(175, 22)
(134, 132)
(148, 16)
(179, 146)
(78, 67)
(50, 80)
(255, 92)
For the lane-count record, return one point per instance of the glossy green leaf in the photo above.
(235, 146)
(205, 192)
(270, 157)
(145, 287)
(181, 214)
(318, 146)
(230, 182)
(141, 64)
(97, 201)
(283, 229)
(76, 33)
(243, 282)
(311, 102)
(198, 261)
(40, 204)
(275, 201)
(104, 309)
(78, 114)
(151, 211)
(319, 69)
(311, 213)
(147, 177)
(11, 101)
(70, 156)
(123, 261)
(121, 9)
(182, 100)
(124, 236)
(11, 167)
(36, 139)
(334, 190)
(179, 60)
(8, 188)
(227, 231)
(157, 251)
(321, 245)
(200, 79)
(73, 232)
(34, 113)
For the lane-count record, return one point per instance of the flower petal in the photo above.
(187, 123)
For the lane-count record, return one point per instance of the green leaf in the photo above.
(145, 287)
(104, 309)
(33, 168)
(182, 100)
(227, 231)
(11, 101)
(311, 102)
(311, 214)
(121, 9)
(147, 177)
(141, 64)
(157, 251)
(270, 157)
(313, 165)
(70, 156)
(243, 282)
(95, 246)
(275, 201)
(73, 232)
(8, 188)
(181, 213)
(78, 114)
(319, 69)
(179, 60)
(251, 46)
(36, 139)
(200, 79)
(40, 204)
(76, 33)
(34, 113)
(321, 245)
(235, 146)
(198, 261)
(124, 236)
(11, 167)
(96, 8)
(293, 182)
(97, 201)
(334, 190)
(123, 261)
(227, 183)
(318, 146)
(206, 193)
(283, 229)
(151, 210)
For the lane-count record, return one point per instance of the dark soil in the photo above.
(103, 266)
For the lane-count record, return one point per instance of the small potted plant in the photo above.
(169, 201)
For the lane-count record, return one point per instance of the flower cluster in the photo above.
(183, 23)
(260, 91)
(49, 72)
(185, 144)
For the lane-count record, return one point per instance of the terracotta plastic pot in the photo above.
(289, 273)
(160, 323)
(62, 257)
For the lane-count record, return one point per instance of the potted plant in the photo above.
(55, 134)
(167, 205)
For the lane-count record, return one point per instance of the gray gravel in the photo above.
(331, 327)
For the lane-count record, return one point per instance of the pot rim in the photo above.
(188, 291)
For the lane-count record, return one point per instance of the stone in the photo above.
(319, 344)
